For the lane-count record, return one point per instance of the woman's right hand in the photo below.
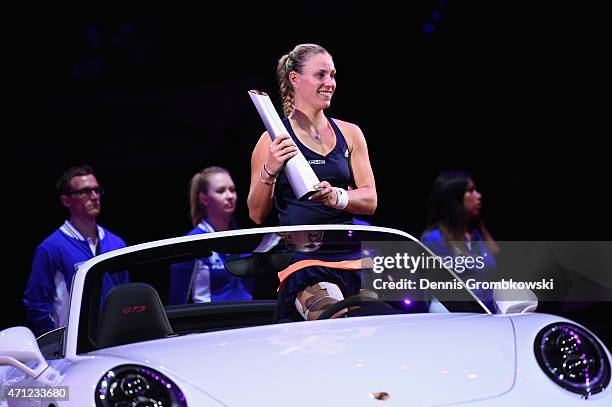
(281, 149)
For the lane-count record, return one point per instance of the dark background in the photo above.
(150, 93)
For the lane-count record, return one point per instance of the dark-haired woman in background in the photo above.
(456, 229)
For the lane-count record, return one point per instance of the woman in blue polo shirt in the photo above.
(213, 202)
(456, 229)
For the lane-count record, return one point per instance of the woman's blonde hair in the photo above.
(294, 61)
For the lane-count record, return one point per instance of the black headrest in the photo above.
(132, 312)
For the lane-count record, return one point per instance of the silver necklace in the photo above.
(318, 135)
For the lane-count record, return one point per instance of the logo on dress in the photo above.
(316, 162)
(346, 153)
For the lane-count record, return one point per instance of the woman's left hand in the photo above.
(326, 194)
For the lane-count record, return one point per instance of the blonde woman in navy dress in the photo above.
(337, 152)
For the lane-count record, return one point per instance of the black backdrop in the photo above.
(149, 93)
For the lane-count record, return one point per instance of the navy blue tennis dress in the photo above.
(334, 168)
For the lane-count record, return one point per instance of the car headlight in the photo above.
(573, 358)
(133, 385)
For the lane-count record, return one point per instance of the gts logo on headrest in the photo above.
(137, 308)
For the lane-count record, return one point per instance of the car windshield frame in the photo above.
(86, 285)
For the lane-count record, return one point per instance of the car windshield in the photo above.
(171, 284)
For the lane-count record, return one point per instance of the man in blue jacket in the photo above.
(58, 257)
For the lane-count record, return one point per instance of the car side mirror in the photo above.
(515, 301)
(18, 346)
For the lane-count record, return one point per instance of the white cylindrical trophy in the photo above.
(300, 174)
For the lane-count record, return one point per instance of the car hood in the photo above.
(415, 359)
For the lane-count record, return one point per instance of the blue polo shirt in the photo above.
(206, 279)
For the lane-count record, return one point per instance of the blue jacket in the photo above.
(56, 260)
(206, 279)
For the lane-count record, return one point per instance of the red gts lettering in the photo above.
(137, 308)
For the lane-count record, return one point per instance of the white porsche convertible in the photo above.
(131, 349)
